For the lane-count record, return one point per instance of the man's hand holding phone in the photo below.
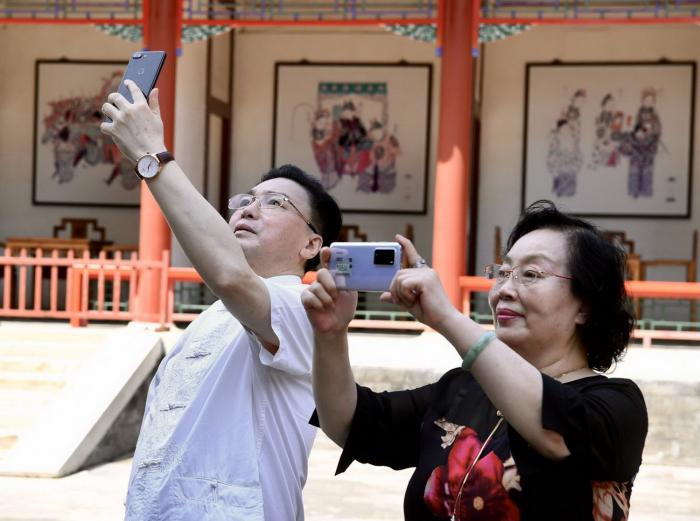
(133, 122)
(329, 309)
(137, 127)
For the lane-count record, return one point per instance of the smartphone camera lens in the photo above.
(384, 257)
(136, 55)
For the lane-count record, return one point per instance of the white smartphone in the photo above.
(364, 266)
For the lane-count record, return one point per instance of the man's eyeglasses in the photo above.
(267, 201)
(524, 276)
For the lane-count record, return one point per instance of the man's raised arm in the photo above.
(205, 236)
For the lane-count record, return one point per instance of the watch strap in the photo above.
(164, 158)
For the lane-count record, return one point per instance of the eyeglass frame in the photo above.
(513, 275)
(256, 198)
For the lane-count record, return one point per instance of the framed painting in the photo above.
(74, 163)
(362, 128)
(610, 139)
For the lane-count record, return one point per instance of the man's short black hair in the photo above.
(598, 270)
(325, 213)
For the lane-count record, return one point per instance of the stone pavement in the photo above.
(363, 493)
(661, 493)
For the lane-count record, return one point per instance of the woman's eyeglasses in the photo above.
(524, 276)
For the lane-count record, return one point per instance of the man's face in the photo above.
(273, 238)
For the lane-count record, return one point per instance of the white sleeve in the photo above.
(292, 327)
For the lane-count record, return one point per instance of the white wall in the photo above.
(503, 112)
(255, 57)
(20, 47)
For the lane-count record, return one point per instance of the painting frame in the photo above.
(73, 163)
(610, 139)
(378, 164)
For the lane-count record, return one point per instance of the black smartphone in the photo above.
(143, 69)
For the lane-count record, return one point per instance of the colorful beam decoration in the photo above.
(590, 12)
(62, 12)
(352, 12)
(305, 12)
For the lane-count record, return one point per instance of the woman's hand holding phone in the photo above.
(418, 290)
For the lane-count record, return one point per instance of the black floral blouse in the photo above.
(440, 429)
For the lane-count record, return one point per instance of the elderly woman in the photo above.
(527, 428)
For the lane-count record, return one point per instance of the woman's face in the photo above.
(538, 321)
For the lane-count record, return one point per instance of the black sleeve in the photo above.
(385, 428)
(604, 424)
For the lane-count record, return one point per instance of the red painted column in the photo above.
(454, 144)
(161, 32)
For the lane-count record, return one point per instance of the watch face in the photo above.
(148, 166)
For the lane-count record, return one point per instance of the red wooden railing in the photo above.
(96, 287)
(77, 289)
(87, 288)
(61, 285)
(17, 283)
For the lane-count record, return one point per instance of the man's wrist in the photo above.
(152, 148)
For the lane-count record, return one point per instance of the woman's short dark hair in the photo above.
(598, 270)
(325, 213)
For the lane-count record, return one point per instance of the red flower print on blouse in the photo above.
(483, 495)
(606, 496)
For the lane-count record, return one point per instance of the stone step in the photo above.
(31, 381)
(53, 365)
(17, 422)
(63, 347)
(7, 441)
(20, 410)
(31, 398)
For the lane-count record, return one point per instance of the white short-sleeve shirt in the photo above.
(225, 433)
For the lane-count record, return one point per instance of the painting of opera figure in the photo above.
(565, 158)
(641, 145)
(610, 139)
(362, 129)
(74, 163)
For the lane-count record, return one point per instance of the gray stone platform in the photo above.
(65, 389)
(662, 492)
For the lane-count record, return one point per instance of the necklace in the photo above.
(565, 373)
(471, 467)
(455, 513)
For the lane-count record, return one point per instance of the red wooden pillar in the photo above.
(161, 32)
(459, 23)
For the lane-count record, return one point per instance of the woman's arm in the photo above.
(330, 312)
(512, 384)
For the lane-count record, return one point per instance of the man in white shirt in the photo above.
(225, 432)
